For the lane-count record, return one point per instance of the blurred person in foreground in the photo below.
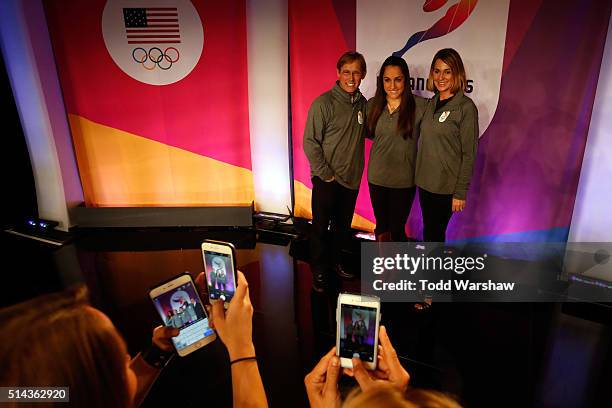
(59, 340)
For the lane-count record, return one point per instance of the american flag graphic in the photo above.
(152, 25)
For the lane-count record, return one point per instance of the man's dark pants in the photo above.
(332, 205)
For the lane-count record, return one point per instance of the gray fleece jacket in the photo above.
(447, 146)
(392, 158)
(334, 137)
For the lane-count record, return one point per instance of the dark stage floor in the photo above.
(487, 354)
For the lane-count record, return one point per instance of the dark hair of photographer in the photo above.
(58, 340)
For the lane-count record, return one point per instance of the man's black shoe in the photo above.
(343, 273)
(319, 283)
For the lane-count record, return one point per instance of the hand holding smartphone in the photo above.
(234, 326)
(358, 320)
(178, 304)
(220, 268)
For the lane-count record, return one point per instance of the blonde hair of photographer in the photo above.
(387, 386)
(386, 396)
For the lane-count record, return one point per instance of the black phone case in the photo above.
(233, 248)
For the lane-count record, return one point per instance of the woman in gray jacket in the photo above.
(447, 145)
(394, 115)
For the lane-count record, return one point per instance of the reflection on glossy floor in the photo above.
(486, 354)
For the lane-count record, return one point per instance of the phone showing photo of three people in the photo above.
(178, 304)
(220, 268)
(358, 320)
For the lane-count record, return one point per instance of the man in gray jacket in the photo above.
(334, 145)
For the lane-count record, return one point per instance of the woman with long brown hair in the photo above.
(394, 116)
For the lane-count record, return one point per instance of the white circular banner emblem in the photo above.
(157, 42)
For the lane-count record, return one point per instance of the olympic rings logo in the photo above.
(155, 57)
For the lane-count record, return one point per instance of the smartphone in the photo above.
(358, 319)
(220, 268)
(179, 305)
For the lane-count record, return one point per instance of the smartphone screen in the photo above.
(181, 307)
(357, 332)
(219, 275)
